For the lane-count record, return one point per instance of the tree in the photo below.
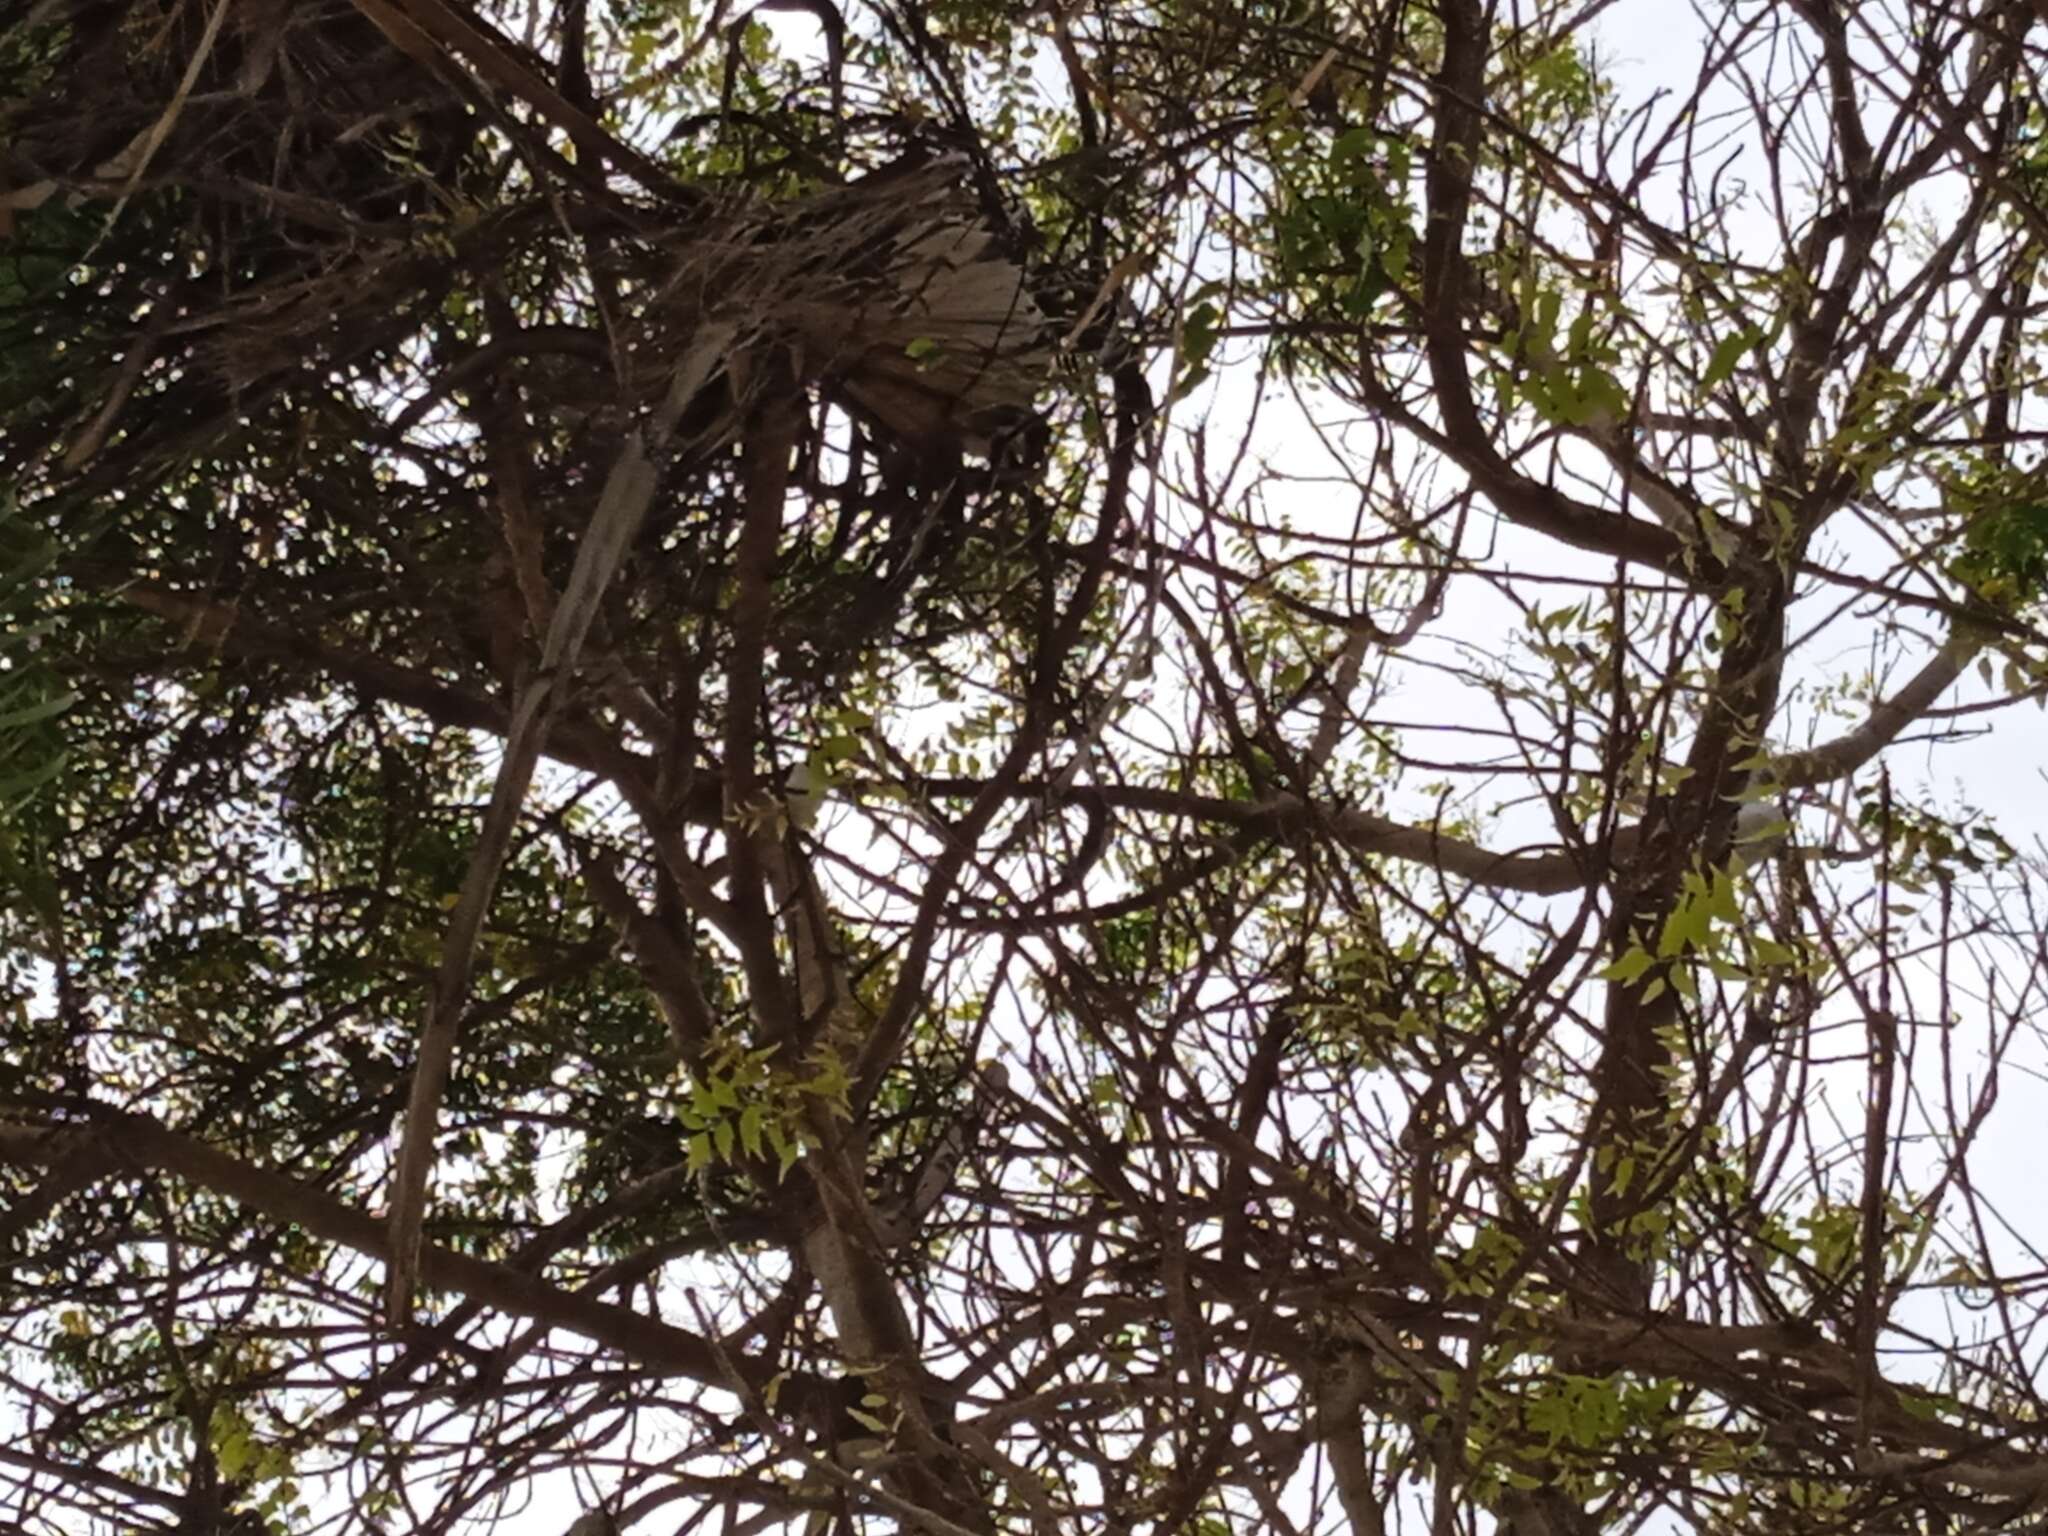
(1116, 768)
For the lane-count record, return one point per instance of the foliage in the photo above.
(1107, 744)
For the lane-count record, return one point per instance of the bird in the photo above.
(895, 294)
(948, 340)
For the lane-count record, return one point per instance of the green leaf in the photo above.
(1771, 952)
(1351, 145)
(1199, 330)
(1690, 925)
(1721, 901)
(1628, 968)
(1728, 356)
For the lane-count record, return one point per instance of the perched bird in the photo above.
(943, 337)
(896, 293)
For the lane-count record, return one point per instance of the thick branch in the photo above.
(223, 628)
(141, 1141)
(1460, 88)
(620, 507)
(1848, 752)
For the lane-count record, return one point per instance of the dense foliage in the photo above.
(1124, 766)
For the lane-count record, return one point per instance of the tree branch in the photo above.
(130, 1140)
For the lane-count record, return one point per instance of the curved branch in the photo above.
(132, 1140)
(1846, 753)
(1459, 89)
(225, 630)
